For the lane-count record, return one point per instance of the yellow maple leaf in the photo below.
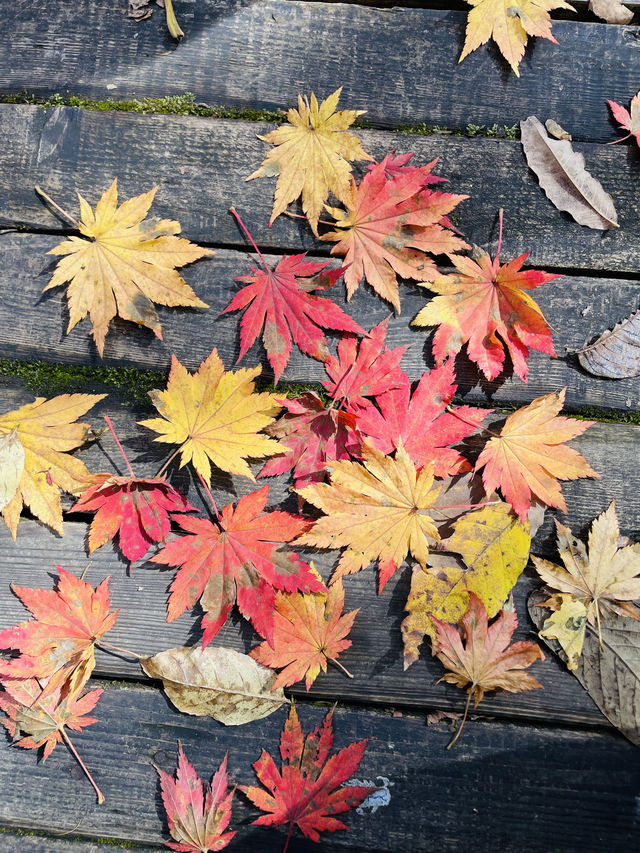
(377, 510)
(567, 624)
(311, 156)
(509, 23)
(46, 430)
(124, 265)
(214, 415)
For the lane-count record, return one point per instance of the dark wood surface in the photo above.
(261, 53)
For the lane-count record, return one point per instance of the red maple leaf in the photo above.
(486, 306)
(68, 622)
(306, 793)
(39, 716)
(628, 120)
(197, 818)
(134, 508)
(279, 303)
(236, 559)
(419, 421)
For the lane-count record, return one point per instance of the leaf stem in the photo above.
(464, 719)
(497, 258)
(111, 647)
(320, 221)
(76, 755)
(209, 495)
(172, 22)
(456, 414)
(62, 213)
(286, 844)
(120, 447)
(340, 667)
(166, 464)
(251, 240)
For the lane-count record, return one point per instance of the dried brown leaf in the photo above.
(616, 353)
(611, 11)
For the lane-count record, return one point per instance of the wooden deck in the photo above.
(542, 772)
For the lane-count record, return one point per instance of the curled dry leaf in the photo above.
(12, 458)
(611, 11)
(609, 668)
(563, 177)
(216, 682)
(556, 130)
(616, 353)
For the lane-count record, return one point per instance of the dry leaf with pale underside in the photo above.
(311, 156)
(216, 682)
(616, 353)
(611, 11)
(47, 430)
(509, 23)
(122, 265)
(563, 177)
(604, 577)
(12, 457)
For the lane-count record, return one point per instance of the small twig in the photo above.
(120, 447)
(62, 213)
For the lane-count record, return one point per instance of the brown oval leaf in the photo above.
(216, 682)
(616, 353)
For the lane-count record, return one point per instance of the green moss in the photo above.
(495, 131)
(108, 842)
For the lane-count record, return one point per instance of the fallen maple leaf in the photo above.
(626, 120)
(46, 430)
(197, 815)
(420, 421)
(306, 793)
(236, 559)
(482, 301)
(122, 266)
(567, 624)
(509, 22)
(12, 457)
(59, 641)
(529, 456)
(377, 510)
(38, 716)
(134, 508)
(606, 578)
(308, 630)
(480, 655)
(311, 156)
(214, 415)
(280, 304)
(389, 224)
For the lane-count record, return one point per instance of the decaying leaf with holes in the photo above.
(122, 264)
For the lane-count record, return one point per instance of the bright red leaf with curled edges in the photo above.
(421, 423)
(238, 559)
(60, 640)
(279, 303)
(133, 508)
(486, 306)
(306, 793)
(197, 815)
(38, 715)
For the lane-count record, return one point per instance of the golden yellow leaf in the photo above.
(493, 547)
(46, 430)
(122, 265)
(312, 156)
(377, 510)
(509, 23)
(214, 415)
(567, 625)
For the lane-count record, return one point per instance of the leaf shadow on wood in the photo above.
(395, 617)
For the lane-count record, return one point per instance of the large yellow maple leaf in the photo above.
(122, 265)
(311, 156)
(46, 430)
(214, 415)
(509, 23)
(377, 510)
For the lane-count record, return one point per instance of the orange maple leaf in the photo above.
(529, 456)
(485, 660)
(308, 630)
(482, 301)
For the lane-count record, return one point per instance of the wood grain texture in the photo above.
(11, 841)
(261, 54)
(200, 166)
(33, 327)
(485, 789)
(376, 655)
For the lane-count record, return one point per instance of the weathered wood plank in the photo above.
(32, 842)
(589, 781)
(33, 326)
(256, 55)
(200, 165)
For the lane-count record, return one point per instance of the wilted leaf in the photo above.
(556, 130)
(567, 624)
(564, 179)
(608, 671)
(12, 456)
(616, 353)
(216, 682)
(122, 265)
(611, 11)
